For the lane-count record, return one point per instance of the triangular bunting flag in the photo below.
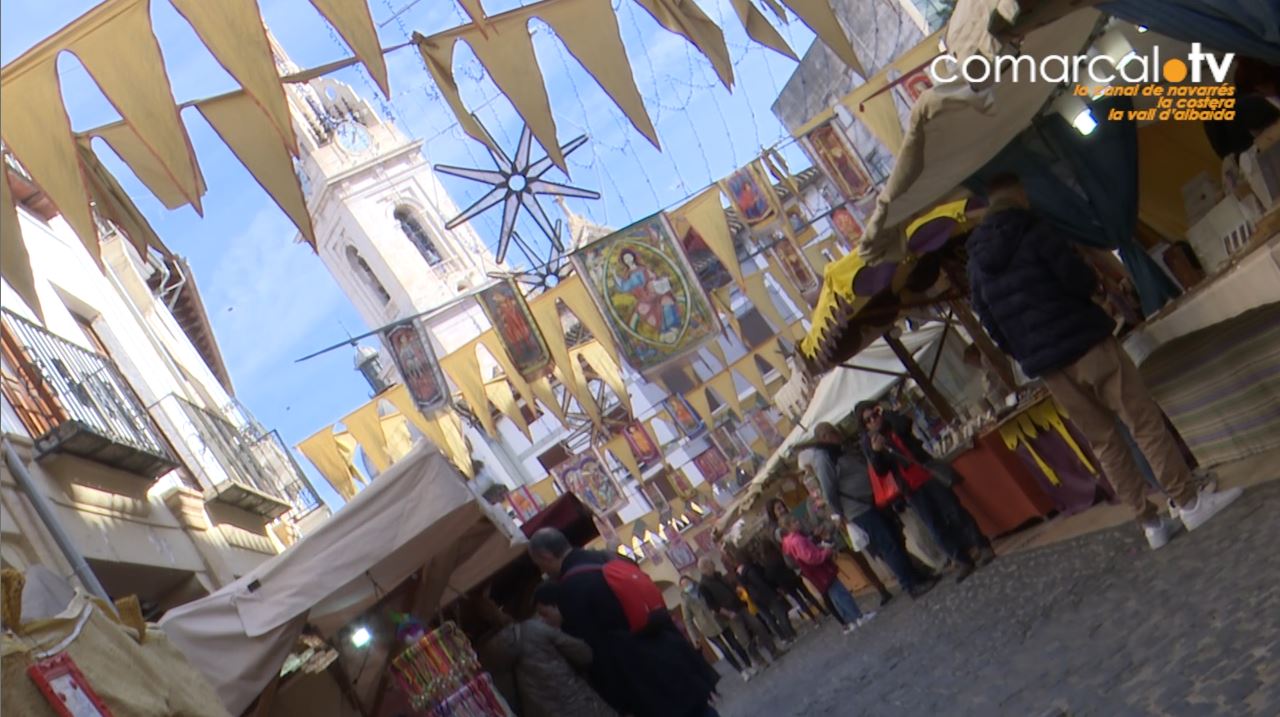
(573, 292)
(15, 263)
(724, 386)
(126, 143)
(240, 123)
(366, 427)
(605, 367)
(820, 18)
(759, 29)
(323, 452)
(771, 353)
(698, 399)
(718, 351)
(706, 215)
(589, 29)
(490, 341)
(747, 367)
(464, 368)
(586, 401)
(547, 316)
(788, 286)
(687, 20)
(547, 397)
(137, 86)
(760, 297)
(233, 32)
(723, 302)
(621, 450)
(500, 395)
(113, 203)
(355, 25)
(444, 429)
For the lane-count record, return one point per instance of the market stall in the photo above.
(420, 517)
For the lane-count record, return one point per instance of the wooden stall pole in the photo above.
(939, 402)
(995, 357)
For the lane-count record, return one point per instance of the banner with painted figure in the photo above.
(587, 477)
(512, 321)
(409, 344)
(746, 189)
(836, 158)
(524, 502)
(648, 294)
(685, 418)
(795, 265)
(847, 227)
(712, 464)
(642, 444)
(765, 425)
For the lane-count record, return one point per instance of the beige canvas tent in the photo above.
(420, 516)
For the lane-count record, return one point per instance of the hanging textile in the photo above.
(771, 353)
(698, 399)
(240, 123)
(751, 372)
(493, 344)
(607, 369)
(323, 452)
(463, 367)
(114, 204)
(146, 166)
(503, 398)
(759, 29)
(15, 263)
(793, 292)
(409, 344)
(724, 303)
(547, 397)
(621, 449)
(718, 351)
(726, 389)
(395, 428)
(687, 20)
(365, 425)
(762, 299)
(547, 314)
(504, 303)
(820, 18)
(351, 19)
(705, 216)
(573, 292)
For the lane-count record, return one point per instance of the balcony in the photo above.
(75, 401)
(228, 460)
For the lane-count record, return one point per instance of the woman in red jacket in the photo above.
(818, 566)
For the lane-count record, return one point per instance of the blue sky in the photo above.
(272, 301)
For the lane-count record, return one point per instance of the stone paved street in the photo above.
(1097, 625)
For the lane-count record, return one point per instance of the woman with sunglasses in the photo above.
(902, 471)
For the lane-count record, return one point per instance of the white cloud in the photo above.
(267, 297)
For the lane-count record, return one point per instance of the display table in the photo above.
(998, 489)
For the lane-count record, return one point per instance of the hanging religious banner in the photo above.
(685, 418)
(512, 321)
(765, 426)
(711, 272)
(409, 343)
(847, 227)
(680, 553)
(680, 483)
(524, 503)
(794, 265)
(653, 494)
(587, 477)
(712, 464)
(837, 159)
(727, 439)
(747, 191)
(648, 294)
(643, 447)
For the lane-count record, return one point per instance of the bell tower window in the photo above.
(365, 272)
(418, 236)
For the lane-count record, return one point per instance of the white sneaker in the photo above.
(746, 675)
(1161, 531)
(1207, 504)
(848, 629)
(866, 618)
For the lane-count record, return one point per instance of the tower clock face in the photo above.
(353, 137)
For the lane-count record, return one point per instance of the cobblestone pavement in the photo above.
(1098, 625)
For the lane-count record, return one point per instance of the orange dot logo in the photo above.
(1175, 71)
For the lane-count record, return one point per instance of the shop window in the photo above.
(417, 235)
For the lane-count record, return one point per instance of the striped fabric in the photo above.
(1220, 386)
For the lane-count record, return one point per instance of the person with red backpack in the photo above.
(904, 473)
(642, 665)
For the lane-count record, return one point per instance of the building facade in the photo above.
(121, 411)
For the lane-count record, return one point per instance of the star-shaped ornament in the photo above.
(517, 184)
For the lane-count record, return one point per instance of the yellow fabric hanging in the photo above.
(126, 143)
(135, 82)
(778, 167)
(323, 452)
(493, 344)
(759, 29)
(589, 30)
(747, 367)
(241, 124)
(464, 368)
(771, 353)
(586, 401)
(15, 263)
(352, 21)
(607, 369)
(706, 215)
(820, 18)
(547, 316)
(445, 431)
(698, 399)
(1049, 415)
(725, 387)
(500, 395)
(723, 304)
(687, 20)
(365, 426)
(573, 292)
(718, 351)
(395, 427)
(233, 32)
(621, 450)
(347, 448)
(35, 127)
(1021, 430)
(760, 298)
(547, 397)
(545, 489)
(113, 203)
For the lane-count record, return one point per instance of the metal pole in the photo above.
(45, 511)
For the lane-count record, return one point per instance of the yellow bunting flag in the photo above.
(788, 286)
(573, 292)
(621, 450)
(607, 369)
(751, 372)
(724, 386)
(355, 25)
(445, 430)
(323, 452)
(113, 203)
(241, 124)
(366, 427)
(547, 315)
(464, 368)
(760, 297)
(15, 263)
(718, 351)
(125, 142)
(771, 353)
(547, 397)
(759, 28)
(820, 18)
(503, 398)
(493, 344)
(687, 20)
(233, 32)
(706, 215)
(698, 399)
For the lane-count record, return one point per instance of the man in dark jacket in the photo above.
(770, 604)
(721, 595)
(1035, 296)
(894, 452)
(654, 673)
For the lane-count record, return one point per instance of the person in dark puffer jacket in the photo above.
(1035, 296)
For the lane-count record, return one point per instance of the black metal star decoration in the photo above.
(517, 184)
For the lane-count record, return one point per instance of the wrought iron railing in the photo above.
(215, 439)
(73, 384)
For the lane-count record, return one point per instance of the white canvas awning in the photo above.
(420, 514)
